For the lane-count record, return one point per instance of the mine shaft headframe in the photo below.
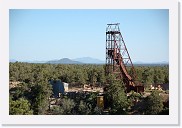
(115, 41)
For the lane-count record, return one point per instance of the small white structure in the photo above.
(65, 86)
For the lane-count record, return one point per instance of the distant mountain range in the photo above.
(64, 61)
(85, 60)
(89, 60)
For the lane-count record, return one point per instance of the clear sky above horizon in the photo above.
(55, 34)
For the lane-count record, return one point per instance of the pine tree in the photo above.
(154, 104)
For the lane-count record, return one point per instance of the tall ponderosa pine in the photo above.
(116, 96)
(154, 104)
(40, 97)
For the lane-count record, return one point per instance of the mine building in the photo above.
(58, 87)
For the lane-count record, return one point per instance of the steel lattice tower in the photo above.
(118, 60)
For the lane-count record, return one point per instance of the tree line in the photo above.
(83, 74)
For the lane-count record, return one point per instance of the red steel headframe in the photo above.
(118, 60)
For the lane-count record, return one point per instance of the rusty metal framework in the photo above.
(118, 60)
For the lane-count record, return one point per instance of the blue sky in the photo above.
(55, 34)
